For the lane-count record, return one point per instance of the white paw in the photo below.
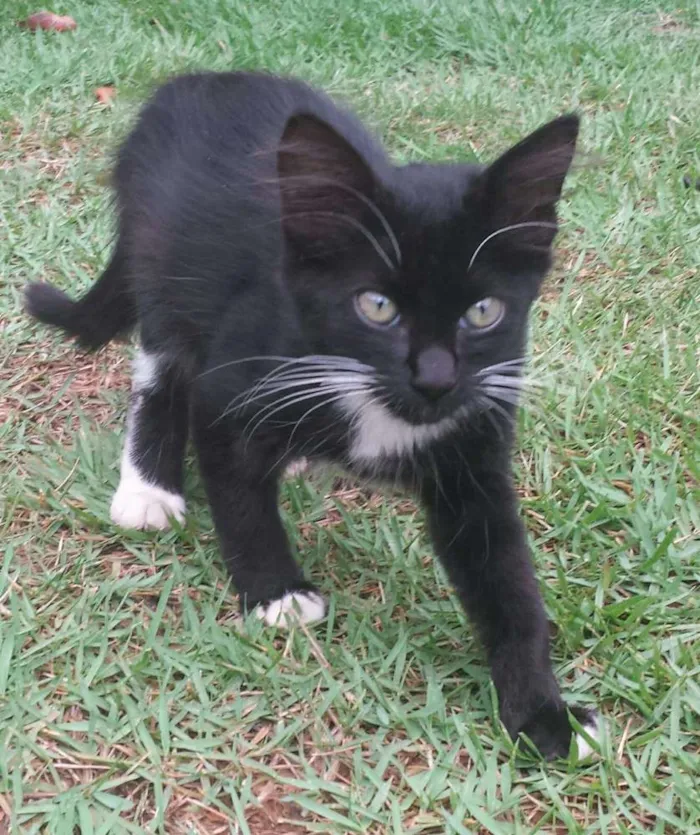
(296, 468)
(594, 729)
(295, 607)
(141, 505)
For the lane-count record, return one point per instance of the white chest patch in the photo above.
(379, 434)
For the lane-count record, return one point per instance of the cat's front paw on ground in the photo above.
(146, 507)
(296, 468)
(550, 730)
(300, 606)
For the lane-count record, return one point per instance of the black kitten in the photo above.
(298, 295)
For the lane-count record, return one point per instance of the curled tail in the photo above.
(104, 312)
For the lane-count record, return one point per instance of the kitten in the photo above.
(297, 294)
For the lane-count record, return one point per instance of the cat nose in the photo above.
(435, 372)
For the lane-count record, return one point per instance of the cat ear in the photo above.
(325, 186)
(524, 185)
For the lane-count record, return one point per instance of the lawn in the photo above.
(132, 698)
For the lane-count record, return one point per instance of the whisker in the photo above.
(356, 225)
(291, 400)
(371, 205)
(311, 410)
(285, 371)
(327, 402)
(506, 395)
(497, 407)
(512, 382)
(269, 386)
(230, 409)
(541, 223)
(514, 365)
(309, 360)
(504, 379)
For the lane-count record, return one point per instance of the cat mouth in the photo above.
(413, 414)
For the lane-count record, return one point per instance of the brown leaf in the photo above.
(49, 21)
(104, 95)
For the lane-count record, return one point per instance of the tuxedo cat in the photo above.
(298, 295)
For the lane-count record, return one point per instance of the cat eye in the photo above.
(376, 308)
(485, 313)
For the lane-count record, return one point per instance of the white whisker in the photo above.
(505, 380)
(371, 205)
(311, 359)
(498, 408)
(291, 400)
(514, 366)
(515, 383)
(541, 223)
(356, 225)
(506, 395)
(272, 385)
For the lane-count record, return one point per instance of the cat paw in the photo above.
(142, 506)
(294, 607)
(550, 731)
(296, 468)
(593, 726)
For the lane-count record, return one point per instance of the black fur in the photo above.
(105, 312)
(252, 211)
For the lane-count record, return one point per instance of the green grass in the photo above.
(131, 697)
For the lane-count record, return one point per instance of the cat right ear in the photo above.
(522, 187)
(325, 187)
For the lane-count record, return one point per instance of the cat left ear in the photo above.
(325, 186)
(524, 185)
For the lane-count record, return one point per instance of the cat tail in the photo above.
(105, 311)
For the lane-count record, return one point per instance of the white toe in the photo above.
(295, 607)
(296, 468)
(594, 729)
(146, 506)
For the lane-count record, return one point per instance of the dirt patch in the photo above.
(50, 391)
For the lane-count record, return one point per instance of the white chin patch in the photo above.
(377, 433)
(594, 729)
(295, 607)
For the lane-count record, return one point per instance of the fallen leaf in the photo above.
(49, 21)
(104, 95)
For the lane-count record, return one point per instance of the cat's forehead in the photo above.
(432, 217)
(432, 194)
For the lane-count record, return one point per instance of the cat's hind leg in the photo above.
(149, 494)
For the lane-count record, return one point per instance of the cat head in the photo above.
(425, 274)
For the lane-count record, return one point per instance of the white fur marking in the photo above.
(144, 371)
(378, 433)
(594, 729)
(296, 468)
(138, 503)
(295, 607)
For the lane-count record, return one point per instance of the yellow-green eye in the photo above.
(485, 313)
(376, 308)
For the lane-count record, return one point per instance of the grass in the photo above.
(131, 697)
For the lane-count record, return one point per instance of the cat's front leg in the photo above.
(242, 486)
(481, 542)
